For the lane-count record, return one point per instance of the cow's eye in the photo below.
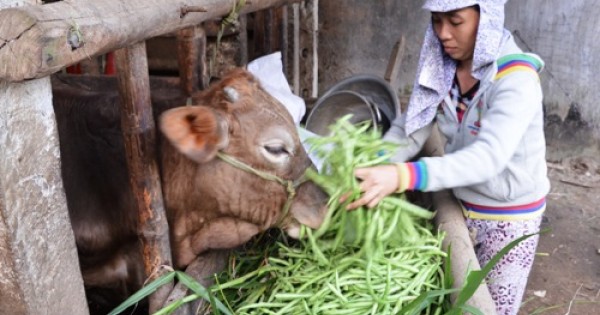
(277, 146)
(277, 149)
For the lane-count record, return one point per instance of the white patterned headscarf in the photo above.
(436, 69)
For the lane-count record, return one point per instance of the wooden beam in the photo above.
(139, 137)
(39, 267)
(37, 41)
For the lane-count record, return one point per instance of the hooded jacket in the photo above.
(495, 158)
(436, 69)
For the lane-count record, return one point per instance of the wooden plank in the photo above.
(139, 138)
(258, 34)
(191, 55)
(269, 31)
(36, 41)
(39, 267)
(391, 73)
(243, 39)
(295, 53)
(282, 24)
(308, 54)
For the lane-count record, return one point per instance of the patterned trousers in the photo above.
(508, 279)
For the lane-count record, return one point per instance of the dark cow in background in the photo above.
(210, 204)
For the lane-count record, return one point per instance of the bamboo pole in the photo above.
(139, 138)
(37, 41)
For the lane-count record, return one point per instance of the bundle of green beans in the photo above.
(367, 261)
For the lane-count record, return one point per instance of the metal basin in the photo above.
(336, 105)
(367, 97)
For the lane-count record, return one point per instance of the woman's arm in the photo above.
(514, 103)
(513, 106)
(409, 145)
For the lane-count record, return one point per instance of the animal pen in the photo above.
(39, 270)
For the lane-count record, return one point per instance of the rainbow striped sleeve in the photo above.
(517, 62)
(412, 176)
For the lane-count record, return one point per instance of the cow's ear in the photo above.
(198, 132)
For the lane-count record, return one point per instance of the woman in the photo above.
(485, 95)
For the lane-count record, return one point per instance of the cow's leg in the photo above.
(104, 275)
(226, 232)
(124, 270)
(219, 233)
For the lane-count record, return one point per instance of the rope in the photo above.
(289, 185)
(230, 19)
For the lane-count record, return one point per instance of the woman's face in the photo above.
(457, 31)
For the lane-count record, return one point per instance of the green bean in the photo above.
(364, 261)
(261, 305)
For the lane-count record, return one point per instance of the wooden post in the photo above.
(39, 267)
(450, 220)
(295, 52)
(243, 39)
(305, 55)
(139, 138)
(283, 37)
(191, 55)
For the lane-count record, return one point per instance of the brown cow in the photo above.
(210, 203)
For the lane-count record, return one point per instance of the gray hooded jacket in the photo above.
(496, 156)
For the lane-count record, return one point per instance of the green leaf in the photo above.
(182, 277)
(144, 292)
(471, 310)
(416, 306)
(476, 277)
(201, 291)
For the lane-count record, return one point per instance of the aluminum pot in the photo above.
(367, 97)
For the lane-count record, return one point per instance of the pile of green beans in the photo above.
(366, 261)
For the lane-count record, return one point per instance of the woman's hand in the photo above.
(377, 182)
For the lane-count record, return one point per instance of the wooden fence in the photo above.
(39, 270)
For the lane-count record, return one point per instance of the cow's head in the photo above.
(238, 118)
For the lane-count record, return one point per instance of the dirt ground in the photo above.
(565, 279)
